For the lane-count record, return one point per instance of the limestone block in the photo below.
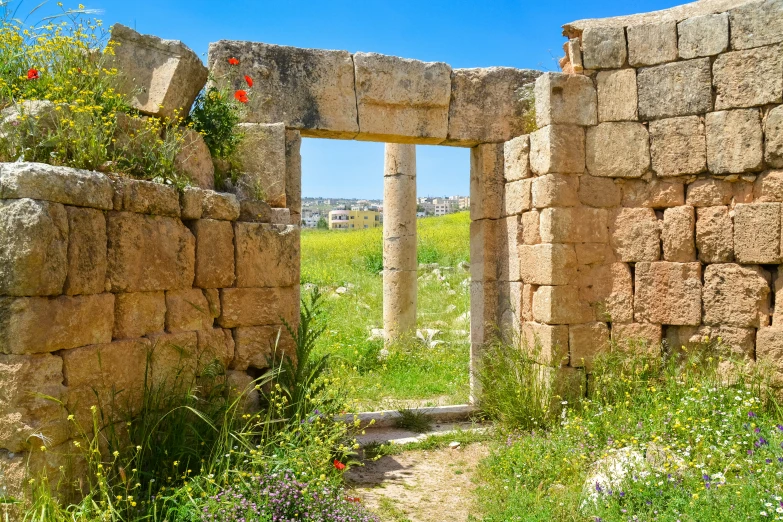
(604, 47)
(547, 264)
(486, 181)
(653, 194)
(402, 100)
(574, 225)
(618, 149)
(217, 205)
(216, 344)
(255, 211)
(560, 305)
(592, 253)
(262, 162)
(734, 141)
(652, 43)
(634, 336)
(293, 173)
(773, 137)
(175, 360)
(678, 146)
(191, 203)
(675, 89)
(555, 190)
(266, 255)
(768, 187)
(255, 346)
(705, 35)
(635, 235)
(258, 306)
(489, 105)
(617, 95)
(757, 233)
(755, 24)
(531, 234)
(195, 161)
(510, 310)
(214, 253)
(559, 149)
(769, 352)
(667, 293)
(516, 155)
(714, 235)
(187, 310)
(147, 253)
(677, 234)
(138, 314)
(33, 247)
(585, 341)
(516, 197)
(39, 118)
(743, 190)
(709, 192)
(484, 299)
(81, 188)
(86, 251)
(565, 99)
(736, 295)
(488, 251)
(608, 288)
(599, 192)
(546, 344)
(213, 298)
(145, 197)
(25, 406)
(311, 90)
(749, 78)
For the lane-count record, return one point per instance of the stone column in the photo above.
(399, 240)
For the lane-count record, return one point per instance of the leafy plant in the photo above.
(414, 420)
(216, 116)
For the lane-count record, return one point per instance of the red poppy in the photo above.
(249, 80)
(32, 74)
(353, 499)
(241, 96)
(339, 465)
(233, 61)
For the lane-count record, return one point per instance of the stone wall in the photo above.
(107, 283)
(648, 204)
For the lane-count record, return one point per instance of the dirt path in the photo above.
(420, 486)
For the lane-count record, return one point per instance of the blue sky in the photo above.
(521, 33)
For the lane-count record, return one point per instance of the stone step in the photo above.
(389, 418)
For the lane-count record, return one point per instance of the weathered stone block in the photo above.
(678, 146)
(667, 293)
(734, 141)
(635, 235)
(510, 309)
(560, 305)
(592, 253)
(256, 345)
(484, 299)
(677, 234)
(559, 149)
(565, 99)
(617, 99)
(516, 155)
(255, 211)
(262, 161)
(38, 325)
(709, 192)
(486, 181)
(618, 149)
(599, 192)
(768, 187)
(736, 295)
(769, 352)
(742, 190)
(489, 105)
(773, 137)
(191, 203)
(266, 255)
(653, 194)
(138, 314)
(161, 77)
(86, 251)
(608, 288)
(516, 197)
(81, 188)
(402, 100)
(216, 344)
(675, 89)
(311, 90)
(714, 235)
(757, 233)
(531, 234)
(547, 264)
(187, 310)
(604, 47)
(33, 247)
(214, 266)
(217, 205)
(555, 190)
(585, 341)
(195, 161)
(213, 298)
(148, 253)
(705, 35)
(748, 78)
(653, 43)
(258, 306)
(145, 197)
(635, 336)
(293, 174)
(546, 344)
(755, 24)
(499, 249)
(574, 225)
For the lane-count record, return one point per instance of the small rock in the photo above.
(341, 290)
(454, 445)
(376, 333)
(464, 266)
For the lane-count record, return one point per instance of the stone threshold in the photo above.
(388, 418)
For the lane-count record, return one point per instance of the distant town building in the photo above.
(310, 218)
(353, 219)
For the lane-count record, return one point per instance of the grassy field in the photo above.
(412, 372)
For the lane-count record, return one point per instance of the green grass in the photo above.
(410, 371)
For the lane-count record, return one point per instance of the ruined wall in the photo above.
(647, 204)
